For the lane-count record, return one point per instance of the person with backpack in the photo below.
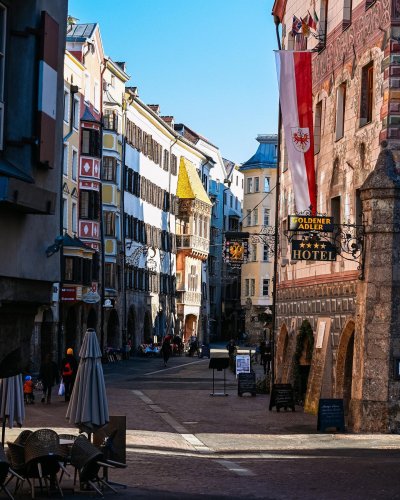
(69, 367)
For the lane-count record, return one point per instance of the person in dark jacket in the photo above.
(69, 367)
(166, 349)
(48, 374)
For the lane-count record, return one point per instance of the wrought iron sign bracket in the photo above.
(318, 233)
(266, 237)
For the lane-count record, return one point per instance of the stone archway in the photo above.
(147, 328)
(281, 353)
(91, 321)
(344, 364)
(190, 327)
(70, 328)
(113, 338)
(131, 327)
(46, 335)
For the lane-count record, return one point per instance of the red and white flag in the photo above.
(295, 94)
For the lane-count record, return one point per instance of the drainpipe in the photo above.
(122, 221)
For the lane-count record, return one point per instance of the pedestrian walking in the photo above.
(166, 349)
(48, 374)
(265, 353)
(69, 367)
(28, 390)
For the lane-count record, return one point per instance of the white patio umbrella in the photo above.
(12, 408)
(88, 407)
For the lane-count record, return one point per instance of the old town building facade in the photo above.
(350, 305)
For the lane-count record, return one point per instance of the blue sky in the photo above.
(209, 63)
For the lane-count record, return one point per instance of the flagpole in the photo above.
(276, 234)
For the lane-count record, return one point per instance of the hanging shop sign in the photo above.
(236, 251)
(311, 223)
(313, 250)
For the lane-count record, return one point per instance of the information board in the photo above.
(247, 383)
(282, 396)
(330, 415)
(242, 363)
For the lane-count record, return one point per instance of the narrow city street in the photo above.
(182, 443)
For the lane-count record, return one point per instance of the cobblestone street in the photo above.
(182, 443)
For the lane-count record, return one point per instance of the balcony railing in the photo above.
(195, 243)
(189, 298)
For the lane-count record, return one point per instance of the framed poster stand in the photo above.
(219, 364)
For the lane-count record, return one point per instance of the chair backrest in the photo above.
(84, 456)
(23, 436)
(42, 443)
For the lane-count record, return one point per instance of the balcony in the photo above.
(196, 246)
(189, 298)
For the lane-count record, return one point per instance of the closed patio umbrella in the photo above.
(88, 407)
(11, 403)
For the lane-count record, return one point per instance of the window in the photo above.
(237, 180)
(252, 287)
(242, 183)
(367, 82)
(109, 275)
(68, 268)
(112, 81)
(91, 142)
(266, 253)
(174, 165)
(358, 208)
(217, 186)
(65, 213)
(109, 223)
(3, 18)
(65, 159)
(109, 168)
(66, 105)
(74, 164)
(250, 185)
(166, 160)
(247, 288)
(74, 215)
(248, 217)
(256, 184)
(340, 110)
(255, 217)
(267, 188)
(254, 253)
(96, 95)
(76, 114)
(347, 12)
(230, 200)
(89, 205)
(110, 120)
(87, 87)
(266, 217)
(335, 209)
(265, 287)
(317, 127)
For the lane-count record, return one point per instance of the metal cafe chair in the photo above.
(6, 473)
(88, 460)
(43, 459)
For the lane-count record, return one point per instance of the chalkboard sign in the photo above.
(247, 383)
(282, 397)
(330, 415)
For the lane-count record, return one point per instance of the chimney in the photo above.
(132, 90)
(155, 108)
(169, 120)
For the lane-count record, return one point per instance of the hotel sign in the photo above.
(309, 250)
(311, 223)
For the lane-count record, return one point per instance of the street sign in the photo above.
(313, 250)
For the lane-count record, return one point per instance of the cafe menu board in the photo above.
(247, 383)
(242, 363)
(282, 396)
(330, 415)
